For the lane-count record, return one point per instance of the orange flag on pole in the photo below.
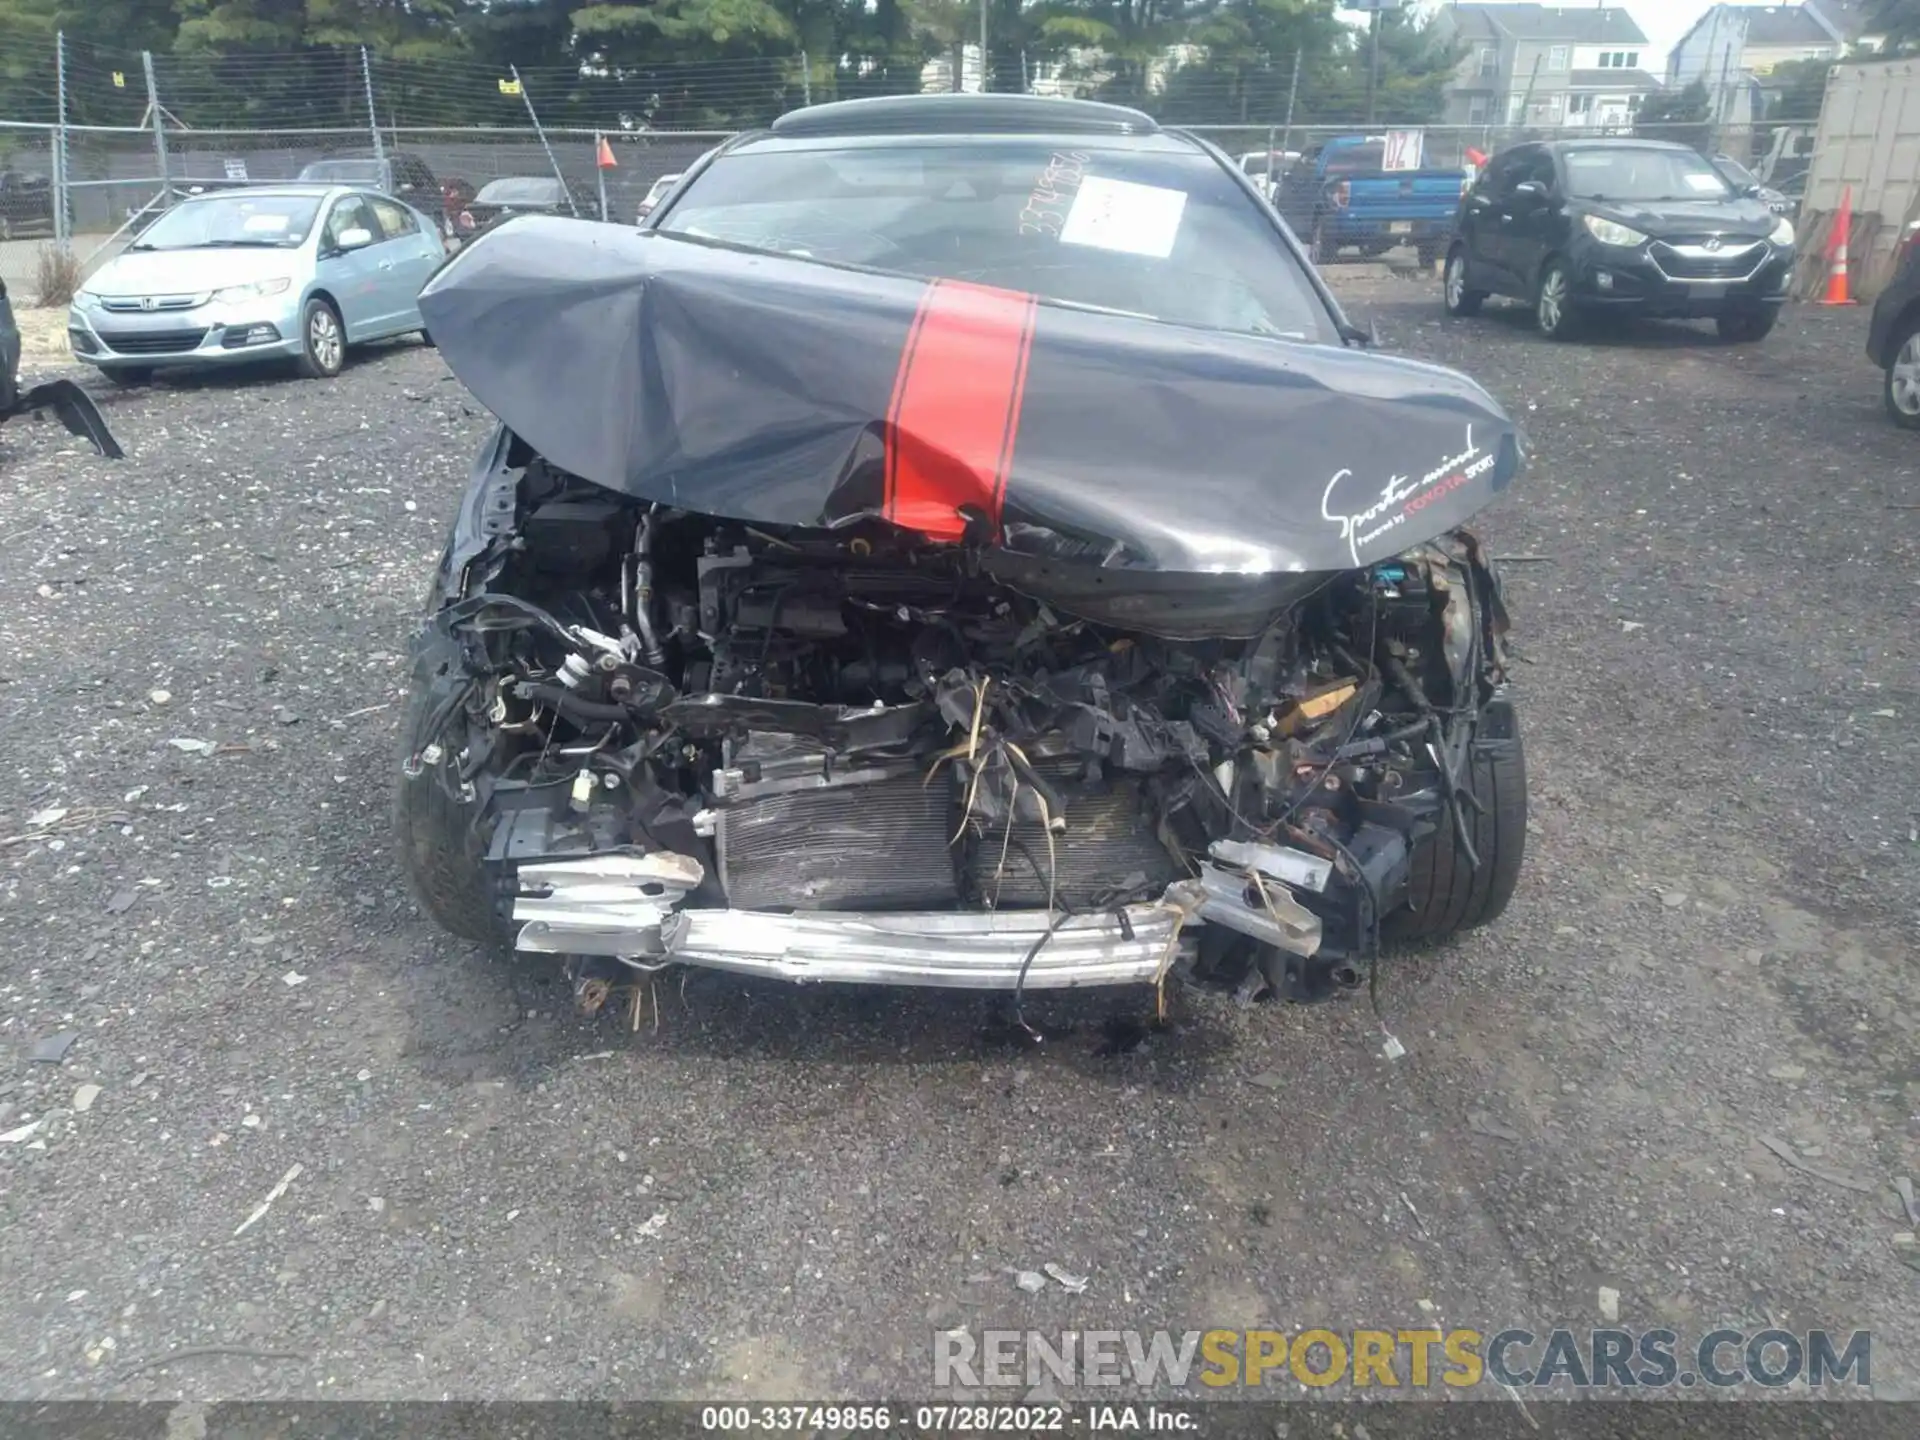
(603, 156)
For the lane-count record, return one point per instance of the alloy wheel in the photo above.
(1456, 279)
(1903, 385)
(323, 334)
(1553, 301)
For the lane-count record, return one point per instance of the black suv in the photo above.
(1893, 336)
(407, 176)
(1578, 226)
(26, 205)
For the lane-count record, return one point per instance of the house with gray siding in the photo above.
(1735, 50)
(1547, 66)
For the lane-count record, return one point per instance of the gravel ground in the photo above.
(779, 1193)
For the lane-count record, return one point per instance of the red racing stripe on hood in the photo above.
(955, 414)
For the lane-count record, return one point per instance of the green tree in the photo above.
(1800, 87)
(101, 36)
(1899, 21)
(1129, 36)
(1681, 115)
(947, 26)
(1247, 74)
(215, 25)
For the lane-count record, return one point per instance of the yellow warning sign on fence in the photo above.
(509, 87)
(119, 80)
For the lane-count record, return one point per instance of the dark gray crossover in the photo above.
(1579, 227)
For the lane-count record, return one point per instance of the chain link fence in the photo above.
(112, 138)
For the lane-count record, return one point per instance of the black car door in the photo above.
(1482, 223)
(1532, 212)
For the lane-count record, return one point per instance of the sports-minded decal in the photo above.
(1393, 502)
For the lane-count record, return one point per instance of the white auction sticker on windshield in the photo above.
(1120, 215)
(1705, 184)
(257, 223)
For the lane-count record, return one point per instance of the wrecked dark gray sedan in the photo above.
(958, 542)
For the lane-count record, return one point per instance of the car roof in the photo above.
(963, 115)
(300, 189)
(1618, 142)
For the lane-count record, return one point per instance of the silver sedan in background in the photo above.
(297, 272)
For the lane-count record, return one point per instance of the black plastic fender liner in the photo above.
(74, 408)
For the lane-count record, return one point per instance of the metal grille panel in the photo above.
(153, 342)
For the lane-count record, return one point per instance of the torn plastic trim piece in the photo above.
(968, 950)
(74, 408)
(1280, 862)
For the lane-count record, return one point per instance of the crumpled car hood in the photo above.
(779, 390)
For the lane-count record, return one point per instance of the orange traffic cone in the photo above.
(1837, 270)
(603, 155)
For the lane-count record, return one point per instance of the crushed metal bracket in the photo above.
(606, 904)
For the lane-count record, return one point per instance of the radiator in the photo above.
(1108, 839)
(878, 846)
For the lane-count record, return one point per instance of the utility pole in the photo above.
(373, 118)
(1293, 94)
(526, 98)
(983, 47)
(159, 131)
(1373, 63)
(60, 212)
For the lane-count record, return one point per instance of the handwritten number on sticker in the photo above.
(1046, 208)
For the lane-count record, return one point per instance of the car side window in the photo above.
(395, 219)
(1501, 175)
(352, 213)
(1539, 169)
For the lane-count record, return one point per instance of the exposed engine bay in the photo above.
(858, 754)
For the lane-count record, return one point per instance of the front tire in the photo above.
(1553, 306)
(1461, 301)
(323, 341)
(1446, 895)
(1902, 388)
(1747, 327)
(440, 848)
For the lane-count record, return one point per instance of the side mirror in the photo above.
(1530, 190)
(355, 239)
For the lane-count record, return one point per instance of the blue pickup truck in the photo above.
(1339, 195)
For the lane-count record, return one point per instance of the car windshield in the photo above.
(1638, 173)
(347, 172)
(267, 221)
(520, 190)
(1167, 235)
